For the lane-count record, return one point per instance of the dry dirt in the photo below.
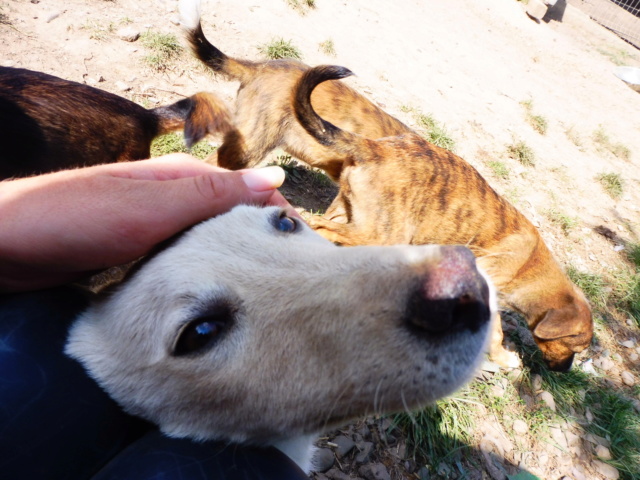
(471, 64)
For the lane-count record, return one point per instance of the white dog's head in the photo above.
(252, 328)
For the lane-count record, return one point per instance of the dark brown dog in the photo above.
(405, 190)
(263, 118)
(49, 124)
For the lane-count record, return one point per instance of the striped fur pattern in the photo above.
(405, 190)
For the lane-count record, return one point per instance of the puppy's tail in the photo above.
(324, 132)
(208, 54)
(199, 115)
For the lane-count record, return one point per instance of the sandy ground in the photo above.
(469, 63)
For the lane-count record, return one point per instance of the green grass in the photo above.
(328, 48)
(499, 169)
(163, 49)
(538, 122)
(174, 142)
(302, 6)
(593, 286)
(617, 56)
(521, 152)
(280, 48)
(435, 132)
(612, 184)
(564, 221)
(601, 138)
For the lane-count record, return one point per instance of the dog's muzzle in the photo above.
(452, 297)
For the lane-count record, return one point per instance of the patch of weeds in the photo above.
(601, 138)
(4, 18)
(538, 122)
(97, 31)
(612, 183)
(564, 221)
(280, 48)
(164, 47)
(592, 285)
(617, 56)
(328, 48)
(633, 253)
(302, 6)
(521, 152)
(433, 131)
(174, 142)
(438, 433)
(499, 169)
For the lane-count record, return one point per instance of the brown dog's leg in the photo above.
(497, 352)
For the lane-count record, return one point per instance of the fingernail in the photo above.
(262, 179)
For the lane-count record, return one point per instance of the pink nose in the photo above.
(451, 297)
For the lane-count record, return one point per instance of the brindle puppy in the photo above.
(263, 118)
(49, 124)
(405, 190)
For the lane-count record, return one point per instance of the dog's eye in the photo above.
(285, 224)
(201, 332)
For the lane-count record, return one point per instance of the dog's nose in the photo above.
(452, 295)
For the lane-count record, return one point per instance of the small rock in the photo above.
(558, 437)
(520, 427)
(52, 16)
(597, 440)
(547, 399)
(603, 452)
(123, 87)
(589, 416)
(634, 357)
(323, 459)
(608, 471)
(628, 344)
(374, 471)
(175, 20)
(536, 383)
(424, 474)
(335, 474)
(128, 34)
(344, 445)
(604, 363)
(578, 474)
(628, 378)
(364, 454)
(636, 404)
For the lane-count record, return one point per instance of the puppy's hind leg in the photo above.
(497, 353)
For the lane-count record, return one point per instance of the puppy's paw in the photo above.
(505, 358)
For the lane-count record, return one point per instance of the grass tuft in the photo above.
(521, 152)
(605, 143)
(328, 48)
(280, 48)
(564, 221)
(538, 122)
(612, 183)
(499, 169)
(164, 47)
(174, 142)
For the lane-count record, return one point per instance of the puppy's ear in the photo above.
(559, 323)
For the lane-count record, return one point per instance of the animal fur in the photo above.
(263, 117)
(252, 328)
(49, 124)
(405, 190)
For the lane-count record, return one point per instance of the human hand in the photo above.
(59, 227)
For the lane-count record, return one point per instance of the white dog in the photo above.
(252, 328)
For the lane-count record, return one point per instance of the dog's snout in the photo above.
(452, 296)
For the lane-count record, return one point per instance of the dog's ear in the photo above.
(559, 323)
